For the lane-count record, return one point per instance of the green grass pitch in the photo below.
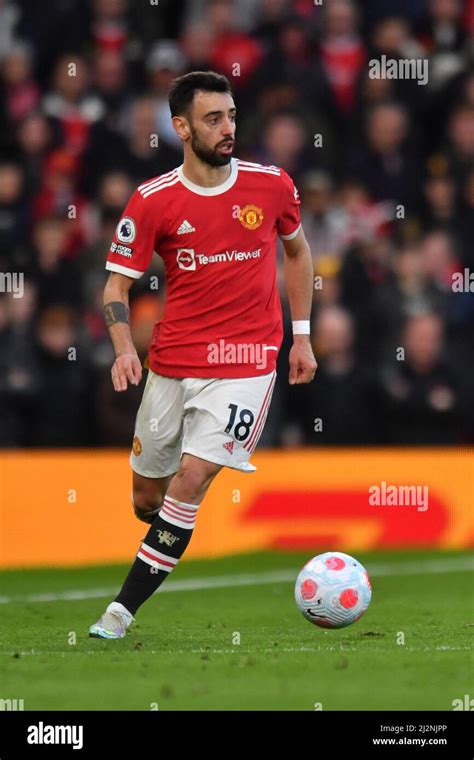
(183, 651)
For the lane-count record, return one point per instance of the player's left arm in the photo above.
(298, 270)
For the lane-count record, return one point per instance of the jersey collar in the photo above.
(219, 189)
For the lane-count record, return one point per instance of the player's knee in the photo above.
(146, 504)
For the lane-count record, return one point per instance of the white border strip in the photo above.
(430, 567)
(133, 273)
(291, 235)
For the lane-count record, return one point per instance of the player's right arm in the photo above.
(129, 257)
(127, 366)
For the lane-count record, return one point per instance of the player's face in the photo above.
(212, 127)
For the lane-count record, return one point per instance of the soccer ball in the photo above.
(333, 590)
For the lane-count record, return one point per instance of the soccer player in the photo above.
(214, 221)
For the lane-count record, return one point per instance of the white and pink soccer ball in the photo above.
(333, 590)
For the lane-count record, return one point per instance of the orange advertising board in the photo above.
(73, 507)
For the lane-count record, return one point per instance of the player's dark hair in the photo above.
(183, 89)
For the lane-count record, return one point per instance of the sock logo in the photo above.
(166, 537)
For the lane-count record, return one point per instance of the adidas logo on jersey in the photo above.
(229, 446)
(185, 227)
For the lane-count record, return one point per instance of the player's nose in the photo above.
(228, 128)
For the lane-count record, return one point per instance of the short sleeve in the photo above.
(289, 217)
(132, 248)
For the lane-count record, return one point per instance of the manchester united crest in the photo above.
(137, 446)
(165, 537)
(251, 217)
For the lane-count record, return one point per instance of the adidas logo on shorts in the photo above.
(185, 227)
(229, 446)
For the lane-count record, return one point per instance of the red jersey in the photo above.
(222, 316)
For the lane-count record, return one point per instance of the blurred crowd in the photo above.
(385, 169)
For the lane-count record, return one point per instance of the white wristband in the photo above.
(301, 327)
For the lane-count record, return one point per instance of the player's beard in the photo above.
(209, 156)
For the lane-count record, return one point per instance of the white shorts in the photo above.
(217, 419)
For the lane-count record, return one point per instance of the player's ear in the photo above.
(181, 126)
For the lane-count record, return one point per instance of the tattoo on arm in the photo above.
(114, 312)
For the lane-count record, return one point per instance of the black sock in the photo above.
(163, 545)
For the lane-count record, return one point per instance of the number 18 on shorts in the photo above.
(217, 419)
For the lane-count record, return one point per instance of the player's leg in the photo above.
(217, 413)
(222, 424)
(223, 420)
(154, 459)
(165, 542)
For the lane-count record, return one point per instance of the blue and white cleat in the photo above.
(113, 624)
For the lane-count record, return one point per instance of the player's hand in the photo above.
(303, 365)
(126, 368)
